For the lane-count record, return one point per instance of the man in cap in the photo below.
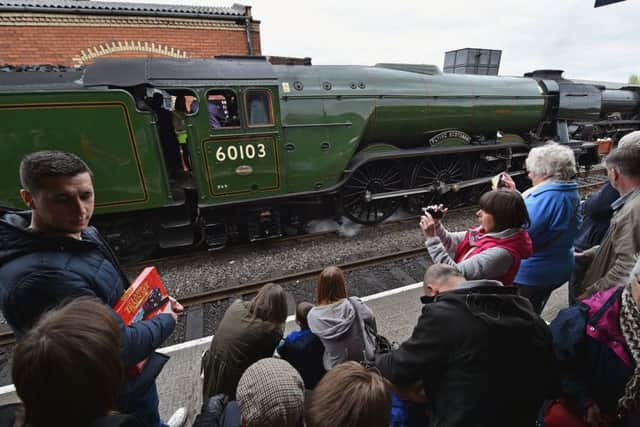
(270, 394)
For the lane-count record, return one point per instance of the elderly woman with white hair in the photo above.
(597, 344)
(553, 203)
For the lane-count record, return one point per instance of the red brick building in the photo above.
(75, 32)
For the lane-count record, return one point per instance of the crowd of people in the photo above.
(479, 354)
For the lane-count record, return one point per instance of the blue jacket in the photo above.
(303, 350)
(597, 214)
(554, 218)
(39, 272)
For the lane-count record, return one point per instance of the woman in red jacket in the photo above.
(492, 250)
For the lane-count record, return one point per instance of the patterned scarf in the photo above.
(630, 326)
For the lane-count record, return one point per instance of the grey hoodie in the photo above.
(342, 336)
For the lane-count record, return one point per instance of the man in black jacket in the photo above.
(51, 254)
(482, 355)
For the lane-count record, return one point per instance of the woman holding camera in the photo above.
(492, 250)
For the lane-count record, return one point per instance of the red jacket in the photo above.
(475, 241)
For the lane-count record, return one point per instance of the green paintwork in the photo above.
(102, 127)
(397, 108)
(379, 148)
(217, 180)
(313, 139)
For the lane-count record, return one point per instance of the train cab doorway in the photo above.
(173, 110)
(241, 151)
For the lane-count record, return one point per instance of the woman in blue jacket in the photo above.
(553, 203)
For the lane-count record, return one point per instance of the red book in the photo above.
(145, 298)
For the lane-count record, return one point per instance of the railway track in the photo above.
(586, 184)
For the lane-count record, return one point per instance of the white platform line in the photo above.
(7, 389)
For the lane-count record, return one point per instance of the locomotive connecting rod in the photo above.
(439, 186)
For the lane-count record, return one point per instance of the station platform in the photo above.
(180, 384)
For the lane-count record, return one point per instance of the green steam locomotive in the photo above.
(259, 149)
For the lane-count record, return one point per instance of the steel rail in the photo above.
(252, 287)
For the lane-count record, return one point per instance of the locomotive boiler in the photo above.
(269, 147)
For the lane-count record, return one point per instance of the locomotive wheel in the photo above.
(378, 177)
(433, 170)
(478, 168)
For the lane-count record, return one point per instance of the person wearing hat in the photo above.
(270, 394)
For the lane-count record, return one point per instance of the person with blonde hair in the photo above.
(248, 332)
(553, 204)
(349, 395)
(345, 325)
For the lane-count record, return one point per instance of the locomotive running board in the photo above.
(440, 187)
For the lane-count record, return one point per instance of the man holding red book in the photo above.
(51, 254)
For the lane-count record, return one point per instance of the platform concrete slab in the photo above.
(179, 383)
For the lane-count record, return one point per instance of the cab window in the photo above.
(222, 109)
(259, 107)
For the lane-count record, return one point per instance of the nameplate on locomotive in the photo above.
(447, 135)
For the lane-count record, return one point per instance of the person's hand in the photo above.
(578, 254)
(428, 226)
(437, 212)
(506, 182)
(412, 392)
(173, 307)
(176, 306)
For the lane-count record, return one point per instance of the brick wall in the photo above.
(79, 39)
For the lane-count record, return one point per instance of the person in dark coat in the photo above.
(303, 349)
(167, 135)
(479, 351)
(51, 254)
(248, 332)
(597, 213)
(67, 369)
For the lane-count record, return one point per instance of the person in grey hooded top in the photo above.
(345, 325)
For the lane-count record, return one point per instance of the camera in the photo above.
(435, 211)
(497, 182)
